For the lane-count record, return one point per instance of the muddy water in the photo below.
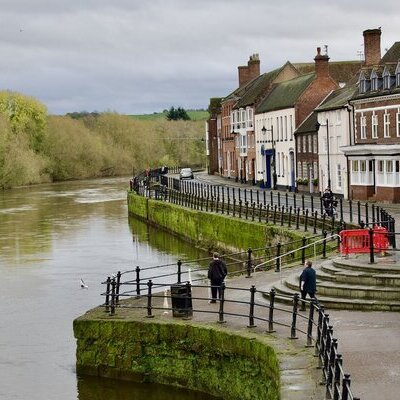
(52, 236)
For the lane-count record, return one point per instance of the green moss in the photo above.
(226, 364)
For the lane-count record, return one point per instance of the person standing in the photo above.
(308, 283)
(216, 274)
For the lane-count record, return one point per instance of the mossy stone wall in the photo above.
(209, 359)
(209, 230)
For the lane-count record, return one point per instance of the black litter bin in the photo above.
(181, 298)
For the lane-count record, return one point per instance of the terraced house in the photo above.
(374, 159)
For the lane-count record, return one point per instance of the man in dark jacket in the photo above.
(216, 273)
(308, 283)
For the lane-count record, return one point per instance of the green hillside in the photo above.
(195, 115)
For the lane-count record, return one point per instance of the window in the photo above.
(374, 126)
(363, 85)
(315, 140)
(354, 165)
(277, 128)
(338, 117)
(374, 81)
(309, 143)
(304, 144)
(389, 166)
(299, 172)
(281, 128)
(291, 127)
(278, 161)
(398, 124)
(305, 176)
(363, 165)
(386, 125)
(249, 117)
(315, 168)
(243, 118)
(363, 123)
(299, 144)
(283, 165)
(380, 166)
(386, 80)
(339, 176)
(286, 127)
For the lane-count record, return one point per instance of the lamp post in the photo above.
(274, 177)
(317, 125)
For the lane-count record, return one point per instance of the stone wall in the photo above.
(229, 365)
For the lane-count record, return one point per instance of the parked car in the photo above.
(186, 173)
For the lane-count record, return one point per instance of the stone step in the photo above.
(348, 290)
(341, 303)
(330, 273)
(382, 265)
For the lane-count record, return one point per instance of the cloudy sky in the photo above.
(141, 56)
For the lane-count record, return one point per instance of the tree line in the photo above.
(36, 147)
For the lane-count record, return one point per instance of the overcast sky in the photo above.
(142, 56)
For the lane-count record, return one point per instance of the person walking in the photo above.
(308, 283)
(216, 274)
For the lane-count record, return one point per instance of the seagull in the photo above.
(83, 284)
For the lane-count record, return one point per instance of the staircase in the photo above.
(354, 284)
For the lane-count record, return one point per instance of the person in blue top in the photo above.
(308, 283)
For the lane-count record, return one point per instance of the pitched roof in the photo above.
(285, 94)
(308, 125)
(338, 98)
(256, 89)
(340, 71)
(392, 55)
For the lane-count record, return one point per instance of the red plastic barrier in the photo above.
(357, 240)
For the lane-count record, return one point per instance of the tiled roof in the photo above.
(340, 71)
(338, 98)
(392, 55)
(308, 125)
(285, 94)
(257, 88)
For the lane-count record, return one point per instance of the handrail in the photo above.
(317, 330)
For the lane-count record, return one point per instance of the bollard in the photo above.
(271, 311)
(251, 312)
(294, 316)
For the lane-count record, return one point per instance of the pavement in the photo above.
(368, 341)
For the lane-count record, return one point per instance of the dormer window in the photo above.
(374, 81)
(398, 74)
(386, 79)
(363, 83)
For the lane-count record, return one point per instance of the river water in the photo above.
(51, 236)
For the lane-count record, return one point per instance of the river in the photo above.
(51, 236)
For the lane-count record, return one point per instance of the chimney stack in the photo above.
(372, 46)
(249, 71)
(321, 64)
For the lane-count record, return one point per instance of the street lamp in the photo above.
(317, 125)
(274, 177)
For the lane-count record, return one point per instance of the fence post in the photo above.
(302, 202)
(267, 215)
(253, 206)
(112, 305)
(303, 250)
(259, 211)
(294, 201)
(137, 281)
(249, 251)
(251, 313)
(279, 199)
(371, 246)
(315, 221)
(271, 311)
(366, 214)
(294, 316)
(324, 246)
(179, 273)
(149, 286)
(310, 323)
(341, 208)
(240, 208)
(336, 378)
(298, 218)
(330, 371)
(345, 386)
(312, 203)
(282, 214)
(290, 217)
(234, 206)
(278, 257)
(247, 209)
(107, 302)
(118, 283)
(306, 221)
(275, 208)
(221, 304)
(287, 200)
(359, 212)
(351, 210)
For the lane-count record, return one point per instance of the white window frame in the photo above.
(304, 144)
(339, 176)
(305, 171)
(374, 82)
(309, 140)
(363, 127)
(386, 125)
(374, 126)
(299, 170)
(398, 124)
